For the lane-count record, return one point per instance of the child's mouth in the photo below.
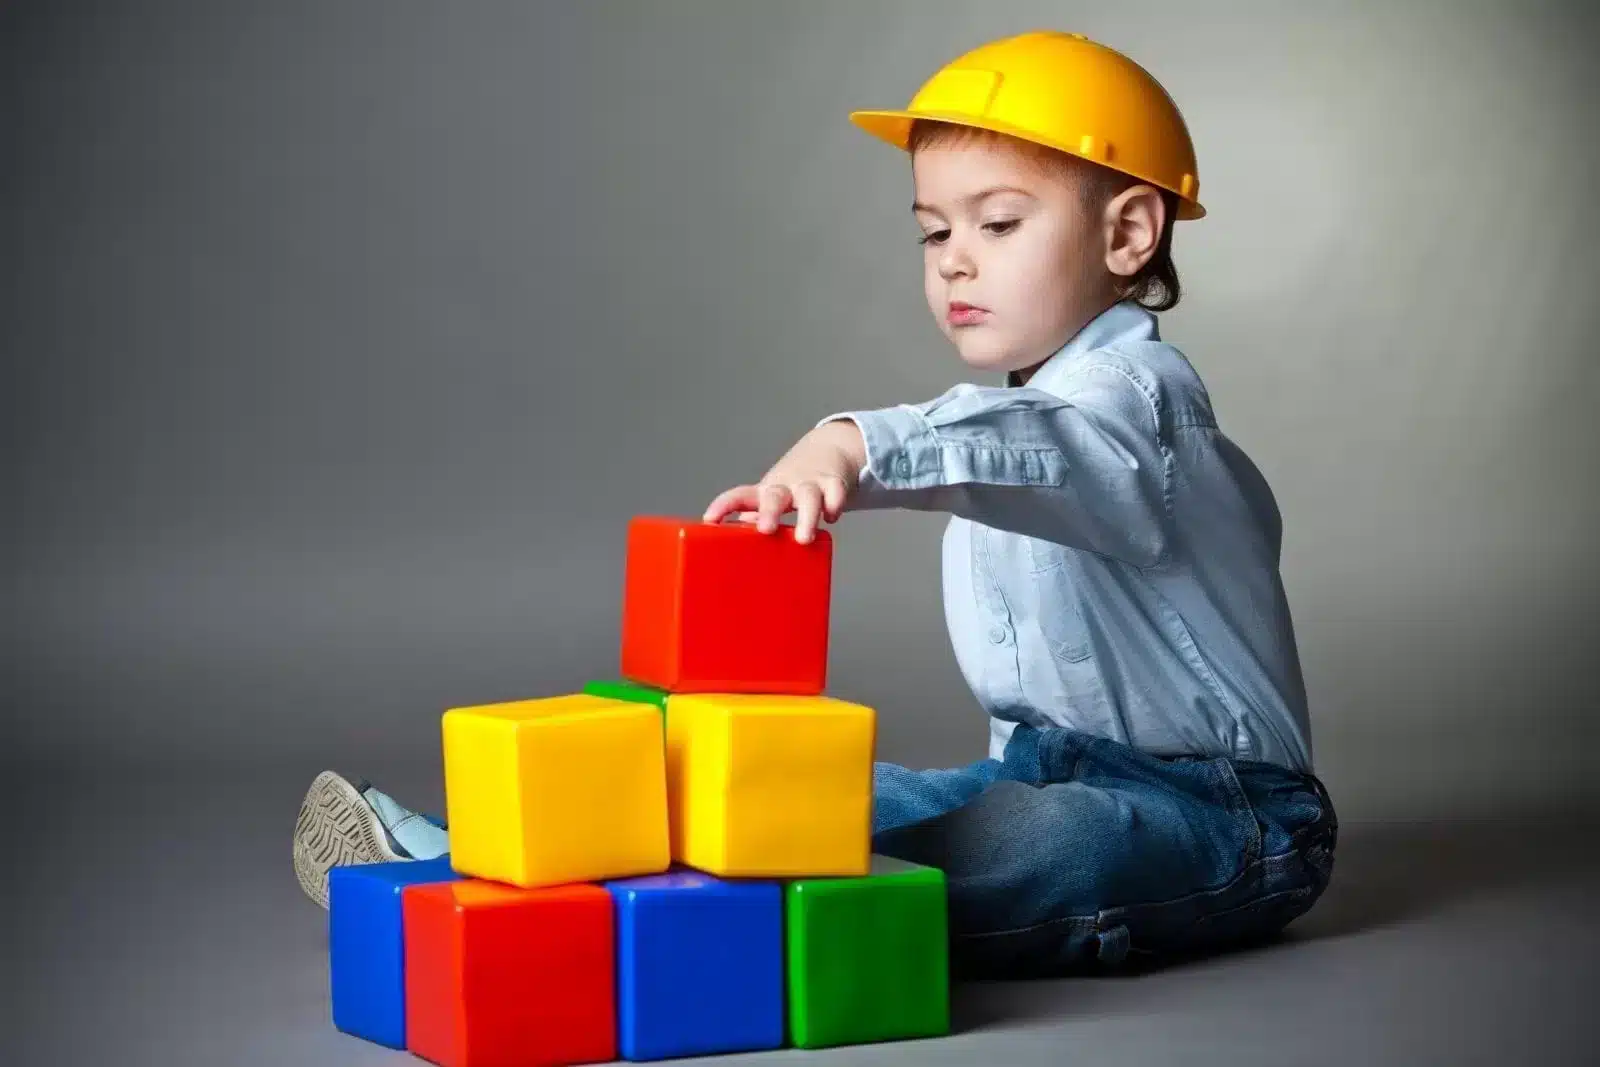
(961, 314)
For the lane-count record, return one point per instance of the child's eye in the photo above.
(1001, 226)
(937, 237)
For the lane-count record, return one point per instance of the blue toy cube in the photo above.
(699, 965)
(366, 945)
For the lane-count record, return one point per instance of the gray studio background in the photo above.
(342, 340)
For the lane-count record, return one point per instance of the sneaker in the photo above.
(342, 824)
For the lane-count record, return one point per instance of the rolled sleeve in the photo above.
(1084, 470)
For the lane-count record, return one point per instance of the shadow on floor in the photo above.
(1392, 872)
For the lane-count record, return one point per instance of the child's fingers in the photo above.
(739, 498)
(833, 494)
(807, 505)
(773, 503)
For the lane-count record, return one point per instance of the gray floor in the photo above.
(157, 921)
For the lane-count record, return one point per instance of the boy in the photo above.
(1111, 565)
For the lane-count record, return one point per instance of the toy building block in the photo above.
(868, 958)
(366, 945)
(622, 689)
(722, 607)
(766, 786)
(497, 975)
(699, 965)
(556, 790)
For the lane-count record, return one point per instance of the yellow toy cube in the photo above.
(770, 786)
(561, 789)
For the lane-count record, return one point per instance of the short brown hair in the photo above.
(1155, 287)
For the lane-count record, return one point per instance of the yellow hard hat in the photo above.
(1066, 92)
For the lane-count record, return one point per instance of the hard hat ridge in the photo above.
(1065, 92)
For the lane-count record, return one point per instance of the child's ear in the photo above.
(1133, 221)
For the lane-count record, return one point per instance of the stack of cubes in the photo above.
(676, 863)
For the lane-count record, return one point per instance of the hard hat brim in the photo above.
(894, 127)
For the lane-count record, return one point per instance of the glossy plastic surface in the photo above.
(1066, 92)
(621, 689)
(725, 608)
(699, 966)
(503, 977)
(563, 789)
(868, 958)
(770, 786)
(366, 945)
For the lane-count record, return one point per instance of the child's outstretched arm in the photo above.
(1087, 470)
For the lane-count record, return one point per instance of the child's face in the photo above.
(1006, 233)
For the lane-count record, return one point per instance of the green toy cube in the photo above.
(625, 690)
(868, 958)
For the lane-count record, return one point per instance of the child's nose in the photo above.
(956, 262)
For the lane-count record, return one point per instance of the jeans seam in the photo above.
(1088, 921)
(1110, 918)
(1240, 806)
(1248, 871)
(1099, 920)
(1299, 891)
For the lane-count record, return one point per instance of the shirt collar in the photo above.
(1125, 320)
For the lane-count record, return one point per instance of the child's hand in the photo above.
(814, 478)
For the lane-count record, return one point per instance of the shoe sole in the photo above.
(335, 828)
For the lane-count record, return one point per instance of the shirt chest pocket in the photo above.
(1055, 577)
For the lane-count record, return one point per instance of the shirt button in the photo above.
(997, 634)
(902, 466)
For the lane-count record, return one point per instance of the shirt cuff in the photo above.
(900, 447)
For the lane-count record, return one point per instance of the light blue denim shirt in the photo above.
(1111, 563)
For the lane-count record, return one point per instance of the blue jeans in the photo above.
(1076, 851)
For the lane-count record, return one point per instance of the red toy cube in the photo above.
(722, 607)
(498, 976)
